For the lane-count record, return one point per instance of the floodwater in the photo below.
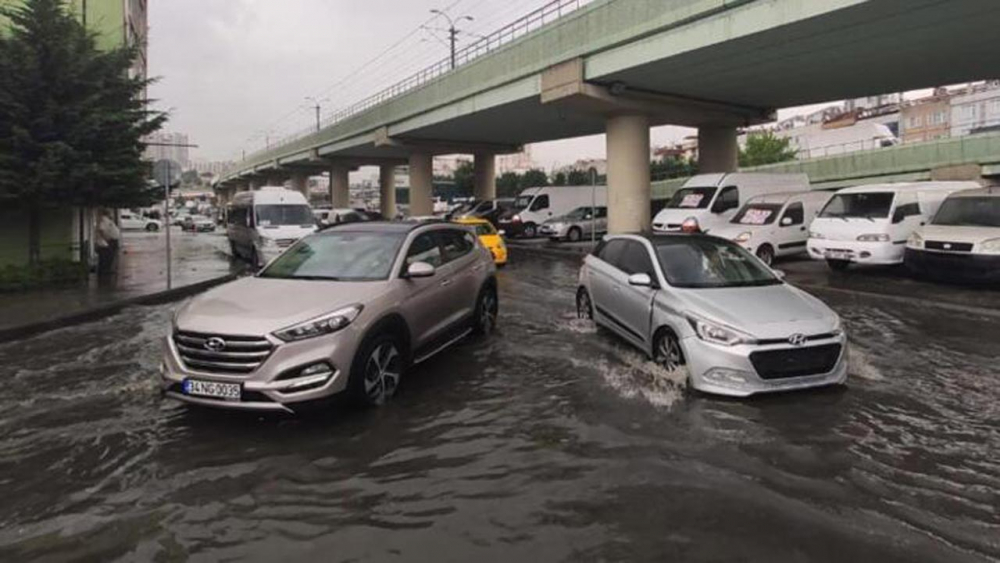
(552, 441)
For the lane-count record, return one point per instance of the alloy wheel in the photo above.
(584, 309)
(487, 315)
(382, 373)
(668, 353)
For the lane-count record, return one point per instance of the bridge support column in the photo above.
(485, 186)
(629, 189)
(300, 183)
(421, 184)
(718, 150)
(387, 191)
(340, 187)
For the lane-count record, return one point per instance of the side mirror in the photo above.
(780, 274)
(786, 221)
(420, 270)
(640, 280)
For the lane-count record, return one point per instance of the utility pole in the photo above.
(318, 107)
(453, 32)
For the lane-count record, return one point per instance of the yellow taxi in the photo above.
(489, 237)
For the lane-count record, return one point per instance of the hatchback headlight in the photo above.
(916, 240)
(319, 326)
(874, 238)
(743, 237)
(717, 333)
(991, 246)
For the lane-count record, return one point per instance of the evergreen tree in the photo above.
(72, 120)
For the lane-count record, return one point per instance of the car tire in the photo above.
(484, 319)
(152, 228)
(574, 234)
(667, 351)
(376, 371)
(766, 254)
(838, 265)
(530, 231)
(584, 305)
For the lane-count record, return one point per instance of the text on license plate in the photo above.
(227, 391)
(838, 254)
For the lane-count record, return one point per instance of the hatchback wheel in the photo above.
(530, 230)
(487, 308)
(574, 234)
(377, 371)
(766, 254)
(152, 227)
(584, 308)
(667, 351)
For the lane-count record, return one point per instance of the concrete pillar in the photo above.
(340, 187)
(421, 184)
(253, 184)
(485, 186)
(718, 150)
(300, 183)
(629, 191)
(387, 191)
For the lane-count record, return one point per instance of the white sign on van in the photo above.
(756, 216)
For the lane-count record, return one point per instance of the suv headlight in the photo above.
(874, 238)
(717, 333)
(916, 240)
(319, 326)
(743, 237)
(838, 325)
(991, 246)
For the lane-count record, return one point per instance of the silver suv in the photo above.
(705, 305)
(347, 310)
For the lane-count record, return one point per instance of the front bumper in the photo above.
(272, 387)
(510, 228)
(553, 231)
(875, 253)
(953, 265)
(728, 371)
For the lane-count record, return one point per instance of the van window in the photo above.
(728, 199)
(691, 198)
(278, 215)
(904, 211)
(238, 216)
(602, 212)
(796, 213)
(872, 205)
(541, 202)
(523, 201)
(635, 259)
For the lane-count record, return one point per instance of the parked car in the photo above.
(775, 225)
(264, 222)
(871, 224)
(705, 305)
(713, 199)
(577, 224)
(489, 237)
(490, 210)
(327, 217)
(130, 221)
(344, 312)
(198, 224)
(534, 206)
(962, 242)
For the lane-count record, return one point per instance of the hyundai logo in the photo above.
(797, 339)
(947, 246)
(215, 344)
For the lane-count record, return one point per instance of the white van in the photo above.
(775, 225)
(870, 224)
(537, 205)
(263, 223)
(962, 242)
(713, 199)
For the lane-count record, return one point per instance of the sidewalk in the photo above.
(198, 259)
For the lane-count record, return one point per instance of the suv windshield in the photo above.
(757, 214)
(969, 212)
(706, 262)
(338, 255)
(864, 205)
(278, 215)
(692, 198)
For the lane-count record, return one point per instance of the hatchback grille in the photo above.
(238, 355)
(949, 246)
(796, 362)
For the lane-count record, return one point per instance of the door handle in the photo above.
(445, 283)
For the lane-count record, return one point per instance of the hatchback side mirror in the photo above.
(420, 270)
(640, 280)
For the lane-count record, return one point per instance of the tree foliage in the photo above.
(508, 184)
(534, 178)
(672, 167)
(72, 119)
(465, 177)
(766, 148)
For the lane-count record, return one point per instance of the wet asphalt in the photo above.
(550, 441)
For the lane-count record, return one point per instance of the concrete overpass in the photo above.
(622, 66)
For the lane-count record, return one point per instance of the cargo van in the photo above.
(263, 223)
(962, 242)
(775, 225)
(535, 206)
(713, 199)
(871, 224)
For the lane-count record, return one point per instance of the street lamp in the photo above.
(318, 107)
(452, 30)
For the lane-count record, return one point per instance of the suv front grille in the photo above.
(237, 355)
(948, 246)
(796, 362)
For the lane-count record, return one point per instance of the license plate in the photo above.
(838, 255)
(226, 391)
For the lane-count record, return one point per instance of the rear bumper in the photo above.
(876, 253)
(954, 265)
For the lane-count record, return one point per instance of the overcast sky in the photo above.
(234, 71)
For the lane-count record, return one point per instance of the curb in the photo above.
(100, 311)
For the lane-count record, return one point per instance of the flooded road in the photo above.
(552, 441)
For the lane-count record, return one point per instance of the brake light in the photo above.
(690, 225)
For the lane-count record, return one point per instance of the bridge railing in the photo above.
(484, 45)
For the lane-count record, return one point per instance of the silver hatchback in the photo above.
(705, 305)
(344, 311)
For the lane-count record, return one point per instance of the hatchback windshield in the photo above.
(757, 214)
(705, 262)
(338, 255)
(279, 215)
(874, 205)
(969, 212)
(692, 198)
